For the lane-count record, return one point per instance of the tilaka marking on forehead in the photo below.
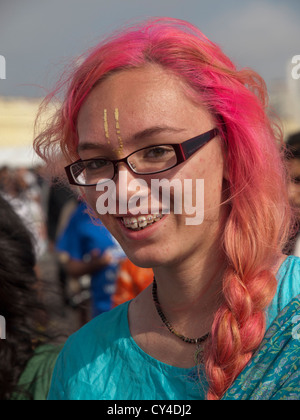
(118, 131)
(106, 126)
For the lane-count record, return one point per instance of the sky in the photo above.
(39, 37)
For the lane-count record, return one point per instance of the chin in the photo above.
(145, 258)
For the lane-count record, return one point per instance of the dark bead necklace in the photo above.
(197, 341)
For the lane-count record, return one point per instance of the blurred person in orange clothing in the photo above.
(131, 281)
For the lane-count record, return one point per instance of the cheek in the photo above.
(91, 196)
(212, 173)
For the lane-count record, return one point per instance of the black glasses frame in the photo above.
(183, 152)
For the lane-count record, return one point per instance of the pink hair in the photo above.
(258, 218)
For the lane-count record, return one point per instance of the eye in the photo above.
(158, 152)
(93, 165)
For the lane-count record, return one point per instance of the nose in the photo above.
(121, 168)
(132, 192)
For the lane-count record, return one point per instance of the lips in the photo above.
(140, 222)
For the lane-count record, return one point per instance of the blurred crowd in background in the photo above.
(82, 270)
(26, 190)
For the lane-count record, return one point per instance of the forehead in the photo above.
(145, 97)
(138, 84)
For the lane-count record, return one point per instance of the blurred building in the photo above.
(17, 116)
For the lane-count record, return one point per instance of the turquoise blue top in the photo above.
(102, 361)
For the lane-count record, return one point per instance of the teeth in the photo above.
(137, 223)
(150, 219)
(142, 222)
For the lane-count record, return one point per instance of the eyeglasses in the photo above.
(147, 161)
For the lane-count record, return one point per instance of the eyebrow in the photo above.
(154, 131)
(137, 137)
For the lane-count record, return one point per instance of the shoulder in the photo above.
(89, 354)
(95, 333)
(91, 340)
(288, 277)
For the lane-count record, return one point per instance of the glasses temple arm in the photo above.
(191, 146)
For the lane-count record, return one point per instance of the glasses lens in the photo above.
(93, 171)
(153, 159)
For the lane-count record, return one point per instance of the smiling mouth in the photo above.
(140, 222)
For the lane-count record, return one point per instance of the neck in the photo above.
(191, 289)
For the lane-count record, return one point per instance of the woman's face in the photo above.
(142, 107)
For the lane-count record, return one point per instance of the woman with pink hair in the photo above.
(161, 102)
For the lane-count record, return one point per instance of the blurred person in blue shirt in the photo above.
(91, 249)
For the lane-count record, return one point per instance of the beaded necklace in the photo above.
(197, 341)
